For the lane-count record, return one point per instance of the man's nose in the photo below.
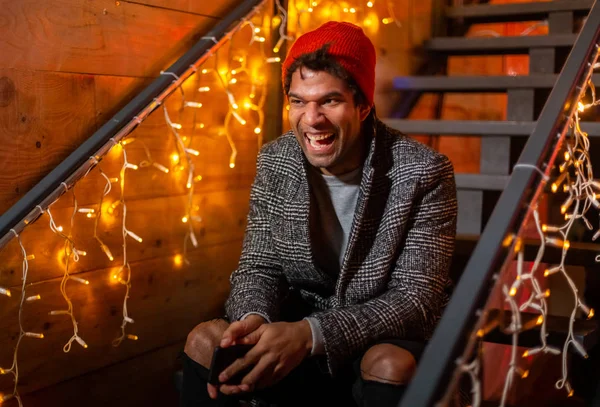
(312, 114)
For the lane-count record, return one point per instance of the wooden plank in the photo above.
(217, 9)
(98, 37)
(157, 221)
(146, 380)
(166, 302)
(47, 115)
(44, 118)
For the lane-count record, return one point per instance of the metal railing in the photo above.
(435, 371)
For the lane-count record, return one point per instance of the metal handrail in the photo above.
(91, 151)
(435, 369)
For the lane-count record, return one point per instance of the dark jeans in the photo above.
(307, 385)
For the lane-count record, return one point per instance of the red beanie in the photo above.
(349, 46)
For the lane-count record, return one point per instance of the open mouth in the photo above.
(319, 141)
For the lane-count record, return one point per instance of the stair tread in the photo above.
(481, 182)
(579, 254)
(475, 127)
(498, 45)
(585, 331)
(517, 12)
(479, 83)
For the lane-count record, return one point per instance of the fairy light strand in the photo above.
(575, 178)
(69, 251)
(14, 369)
(123, 275)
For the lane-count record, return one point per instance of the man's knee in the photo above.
(388, 363)
(201, 341)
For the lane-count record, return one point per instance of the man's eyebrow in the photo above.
(325, 96)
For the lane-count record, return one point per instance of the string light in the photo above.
(577, 175)
(14, 369)
(125, 269)
(254, 116)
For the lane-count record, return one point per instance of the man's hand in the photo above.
(234, 334)
(278, 349)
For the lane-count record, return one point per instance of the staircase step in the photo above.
(475, 127)
(585, 331)
(478, 84)
(497, 45)
(481, 182)
(491, 13)
(579, 254)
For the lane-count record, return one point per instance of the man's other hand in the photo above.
(278, 349)
(233, 335)
(240, 329)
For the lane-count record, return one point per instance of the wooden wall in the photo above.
(65, 67)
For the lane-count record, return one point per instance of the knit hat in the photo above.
(349, 46)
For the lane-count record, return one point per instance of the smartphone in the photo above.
(223, 358)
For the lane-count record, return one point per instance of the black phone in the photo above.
(222, 358)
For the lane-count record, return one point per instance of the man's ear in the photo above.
(364, 111)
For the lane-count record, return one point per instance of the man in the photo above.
(350, 235)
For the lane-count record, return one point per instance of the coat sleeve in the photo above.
(416, 293)
(258, 285)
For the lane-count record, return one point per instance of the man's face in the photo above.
(326, 121)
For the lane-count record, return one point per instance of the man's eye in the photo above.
(295, 102)
(330, 101)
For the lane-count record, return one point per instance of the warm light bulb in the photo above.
(192, 151)
(345, 9)
(34, 335)
(133, 235)
(178, 260)
(193, 104)
(387, 20)
(204, 89)
(205, 71)
(198, 178)
(310, 10)
(257, 130)
(176, 126)
(184, 219)
(233, 81)
(33, 298)
(591, 313)
(5, 291)
(131, 166)
(525, 374)
(106, 251)
(175, 157)
(273, 60)
(80, 280)
(30, 257)
(526, 353)
(540, 320)
(81, 342)
(580, 106)
(513, 291)
(128, 140)
(132, 337)
(60, 228)
(257, 30)
(160, 167)
(231, 165)
(352, 10)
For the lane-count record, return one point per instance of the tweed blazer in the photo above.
(393, 281)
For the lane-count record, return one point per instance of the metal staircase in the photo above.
(502, 143)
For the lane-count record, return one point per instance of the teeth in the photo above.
(319, 136)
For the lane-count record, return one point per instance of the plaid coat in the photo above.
(393, 280)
